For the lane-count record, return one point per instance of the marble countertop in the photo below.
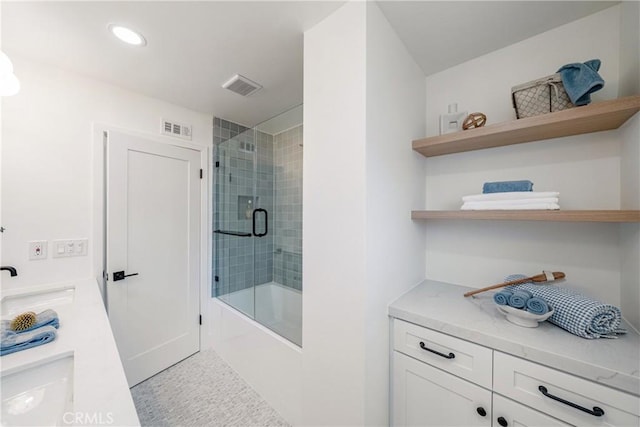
(442, 307)
(100, 391)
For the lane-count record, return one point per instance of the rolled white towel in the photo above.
(514, 195)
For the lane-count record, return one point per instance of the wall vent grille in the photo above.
(179, 130)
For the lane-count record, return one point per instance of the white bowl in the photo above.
(523, 317)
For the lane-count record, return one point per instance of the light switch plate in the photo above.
(70, 247)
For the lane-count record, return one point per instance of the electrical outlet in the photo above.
(37, 249)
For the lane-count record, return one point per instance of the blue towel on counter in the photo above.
(11, 341)
(502, 297)
(537, 305)
(46, 318)
(507, 186)
(578, 314)
(581, 80)
(519, 298)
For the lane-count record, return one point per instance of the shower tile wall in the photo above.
(239, 264)
(287, 258)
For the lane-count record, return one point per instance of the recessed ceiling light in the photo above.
(127, 35)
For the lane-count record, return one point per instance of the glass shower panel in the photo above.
(258, 221)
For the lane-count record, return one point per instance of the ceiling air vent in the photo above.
(241, 85)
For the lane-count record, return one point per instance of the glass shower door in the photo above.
(235, 222)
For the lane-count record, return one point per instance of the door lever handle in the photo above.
(119, 275)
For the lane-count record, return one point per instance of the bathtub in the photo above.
(270, 363)
(277, 307)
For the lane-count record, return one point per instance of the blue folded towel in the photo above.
(537, 305)
(507, 186)
(11, 341)
(519, 298)
(502, 297)
(581, 80)
(578, 314)
(46, 318)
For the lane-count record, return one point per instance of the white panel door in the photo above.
(426, 396)
(153, 237)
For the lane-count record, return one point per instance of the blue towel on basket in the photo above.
(11, 341)
(581, 80)
(578, 314)
(537, 305)
(502, 297)
(519, 298)
(46, 318)
(507, 186)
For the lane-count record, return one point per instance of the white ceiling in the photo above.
(194, 47)
(441, 34)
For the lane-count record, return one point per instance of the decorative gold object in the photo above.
(474, 120)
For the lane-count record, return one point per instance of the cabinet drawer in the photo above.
(515, 414)
(426, 396)
(469, 361)
(521, 380)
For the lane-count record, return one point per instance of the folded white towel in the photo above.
(489, 203)
(481, 206)
(514, 195)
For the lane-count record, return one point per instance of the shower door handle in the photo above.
(266, 222)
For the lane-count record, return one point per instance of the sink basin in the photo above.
(36, 301)
(38, 395)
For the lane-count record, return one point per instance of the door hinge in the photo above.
(200, 173)
(200, 319)
(217, 164)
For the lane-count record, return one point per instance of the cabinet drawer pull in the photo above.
(446, 356)
(596, 412)
(502, 422)
(481, 411)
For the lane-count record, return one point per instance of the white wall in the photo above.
(363, 106)
(47, 162)
(629, 48)
(334, 212)
(394, 186)
(585, 169)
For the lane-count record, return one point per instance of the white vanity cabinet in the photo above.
(440, 380)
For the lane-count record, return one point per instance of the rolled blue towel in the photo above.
(581, 80)
(576, 313)
(11, 341)
(537, 305)
(502, 297)
(46, 318)
(519, 298)
(507, 186)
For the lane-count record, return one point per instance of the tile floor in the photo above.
(202, 390)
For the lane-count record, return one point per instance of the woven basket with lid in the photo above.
(540, 96)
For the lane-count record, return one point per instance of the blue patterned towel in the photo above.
(537, 305)
(11, 341)
(46, 318)
(502, 297)
(507, 186)
(578, 314)
(519, 298)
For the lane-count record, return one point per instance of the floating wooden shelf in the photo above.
(534, 215)
(595, 117)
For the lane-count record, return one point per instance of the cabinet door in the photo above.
(507, 413)
(426, 396)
